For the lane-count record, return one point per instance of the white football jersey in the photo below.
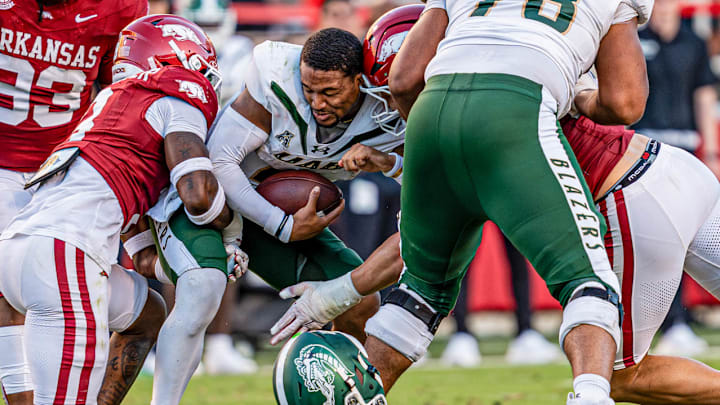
(273, 80)
(564, 33)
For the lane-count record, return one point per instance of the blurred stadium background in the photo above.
(490, 319)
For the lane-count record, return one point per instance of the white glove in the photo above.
(320, 302)
(237, 261)
(588, 81)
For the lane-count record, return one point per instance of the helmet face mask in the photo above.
(387, 117)
(326, 368)
(381, 44)
(155, 41)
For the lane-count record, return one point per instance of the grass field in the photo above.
(494, 383)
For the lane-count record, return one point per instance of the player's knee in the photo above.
(151, 318)
(405, 322)
(591, 303)
(197, 298)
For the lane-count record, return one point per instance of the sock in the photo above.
(14, 370)
(180, 343)
(591, 386)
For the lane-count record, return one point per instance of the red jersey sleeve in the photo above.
(132, 10)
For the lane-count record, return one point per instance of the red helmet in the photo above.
(160, 40)
(381, 43)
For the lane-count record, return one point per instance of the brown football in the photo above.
(290, 190)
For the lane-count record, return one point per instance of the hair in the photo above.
(333, 49)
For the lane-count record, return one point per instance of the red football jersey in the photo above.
(49, 59)
(598, 147)
(122, 146)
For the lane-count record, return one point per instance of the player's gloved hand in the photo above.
(587, 82)
(237, 262)
(320, 302)
(367, 159)
(306, 221)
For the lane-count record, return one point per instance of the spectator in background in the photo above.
(341, 14)
(681, 112)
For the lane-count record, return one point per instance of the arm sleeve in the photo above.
(254, 82)
(170, 114)
(629, 9)
(233, 137)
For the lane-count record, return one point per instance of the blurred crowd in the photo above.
(681, 44)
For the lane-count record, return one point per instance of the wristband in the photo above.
(138, 242)
(397, 167)
(233, 232)
(213, 212)
(189, 166)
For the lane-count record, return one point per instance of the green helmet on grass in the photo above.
(326, 368)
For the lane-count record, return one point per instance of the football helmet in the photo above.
(160, 40)
(326, 368)
(381, 43)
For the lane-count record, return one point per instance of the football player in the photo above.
(52, 53)
(656, 222)
(140, 134)
(479, 99)
(304, 107)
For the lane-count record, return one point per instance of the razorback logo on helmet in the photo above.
(317, 365)
(391, 46)
(193, 90)
(179, 32)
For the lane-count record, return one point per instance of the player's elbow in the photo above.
(404, 84)
(628, 108)
(198, 192)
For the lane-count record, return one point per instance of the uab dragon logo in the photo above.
(391, 46)
(317, 365)
(192, 89)
(179, 32)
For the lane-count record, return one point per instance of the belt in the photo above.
(638, 168)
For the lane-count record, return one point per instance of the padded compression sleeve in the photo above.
(233, 137)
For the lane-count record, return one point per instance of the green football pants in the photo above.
(487, 147)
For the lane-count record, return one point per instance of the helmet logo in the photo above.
(192, 89)
(391, 46)
(317, 365)
(6, 4)
(179, 32)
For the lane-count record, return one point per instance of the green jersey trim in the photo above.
(290, 106)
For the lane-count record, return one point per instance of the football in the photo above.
(290, 190)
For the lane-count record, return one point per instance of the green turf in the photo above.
(488, 385)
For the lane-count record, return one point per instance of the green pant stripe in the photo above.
(484, 146)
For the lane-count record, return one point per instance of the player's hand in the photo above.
(306, 221)
(320, 302)
(365, 158)
(237, 261)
